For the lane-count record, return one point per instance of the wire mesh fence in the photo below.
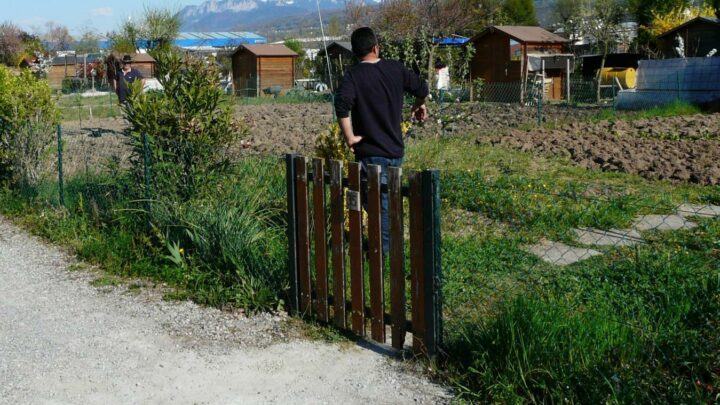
(556, 268)
(79, 107)
(626, 257)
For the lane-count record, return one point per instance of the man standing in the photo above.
(373, 92)
(124, 78)
(443, 80)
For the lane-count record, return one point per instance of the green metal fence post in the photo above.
(539, 92)
(294, 295)
(60, 166)
(614, 101)
(432, 262)
(146, 161)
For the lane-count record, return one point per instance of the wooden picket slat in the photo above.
(337, 230)
(425, 251)
(375, 256)
(357, 287)
(397, 257)
(417, 282)
(303, 233)
(321, 267)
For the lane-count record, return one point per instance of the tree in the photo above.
(157, 30)
(485, 13)
(126, 39)
(190, 123)
(160, 27)
(358, 13)
(643, 11)
(663, 22)
(88, 42)
(302, 66)
(603, 25)
(57, 37)
(570, 15)
(27, 115)
(334, 26)
(520, 12)
(716, 6)
(11, 44)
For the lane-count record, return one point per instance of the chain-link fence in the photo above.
(578, 272)
(601, 272)
(79, 107)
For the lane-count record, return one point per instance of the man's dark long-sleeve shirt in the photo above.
(374, 93)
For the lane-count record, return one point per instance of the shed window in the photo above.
(515, 50)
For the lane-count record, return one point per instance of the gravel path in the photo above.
(64, 341)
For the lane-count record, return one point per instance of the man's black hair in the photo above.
(363, 40)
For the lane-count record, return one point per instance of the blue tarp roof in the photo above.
(454, 40)
(210, 39)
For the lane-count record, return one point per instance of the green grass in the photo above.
(77, 108)
(232, 236)
(676, 108)
(631, 326)
(635, 325)
(294, 96)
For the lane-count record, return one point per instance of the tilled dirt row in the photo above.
(684, 149)
(691, 152)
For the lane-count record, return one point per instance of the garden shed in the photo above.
(69, 66)
(341, 58)
(700, 36)
(513, 54)
(141, 61)
(263, 69)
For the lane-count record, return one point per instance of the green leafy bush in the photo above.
(27, 117)
(331, 144)
(189, 126)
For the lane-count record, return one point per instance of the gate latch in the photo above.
(353, 200)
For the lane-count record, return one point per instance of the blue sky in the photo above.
(102, 16)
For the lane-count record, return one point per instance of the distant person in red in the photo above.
(124, 78)
(369, 106)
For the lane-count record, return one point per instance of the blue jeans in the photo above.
(384, 163)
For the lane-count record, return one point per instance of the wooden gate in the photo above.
(319, 260)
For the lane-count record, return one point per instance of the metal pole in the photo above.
(432, 271)
(293, 299)
(567, 80)
(614, 92)
(146, 161)
(60, 166)
(541, 91)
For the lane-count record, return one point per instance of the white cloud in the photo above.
(101, 12)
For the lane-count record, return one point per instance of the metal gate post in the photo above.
(61, 184)
(432, 271)
(293, 298)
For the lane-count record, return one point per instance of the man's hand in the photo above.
(420, 113)
(353, 140)
(350, 138)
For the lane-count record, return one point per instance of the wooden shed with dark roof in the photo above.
(507, 54)
(69, 66)
(700, 36)
(341, 58)
(263, 69)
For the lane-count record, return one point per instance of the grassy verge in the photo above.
(636, 324)
(227, 246)
(76, 108)
(676, 108)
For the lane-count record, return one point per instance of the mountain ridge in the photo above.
(231, 15)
